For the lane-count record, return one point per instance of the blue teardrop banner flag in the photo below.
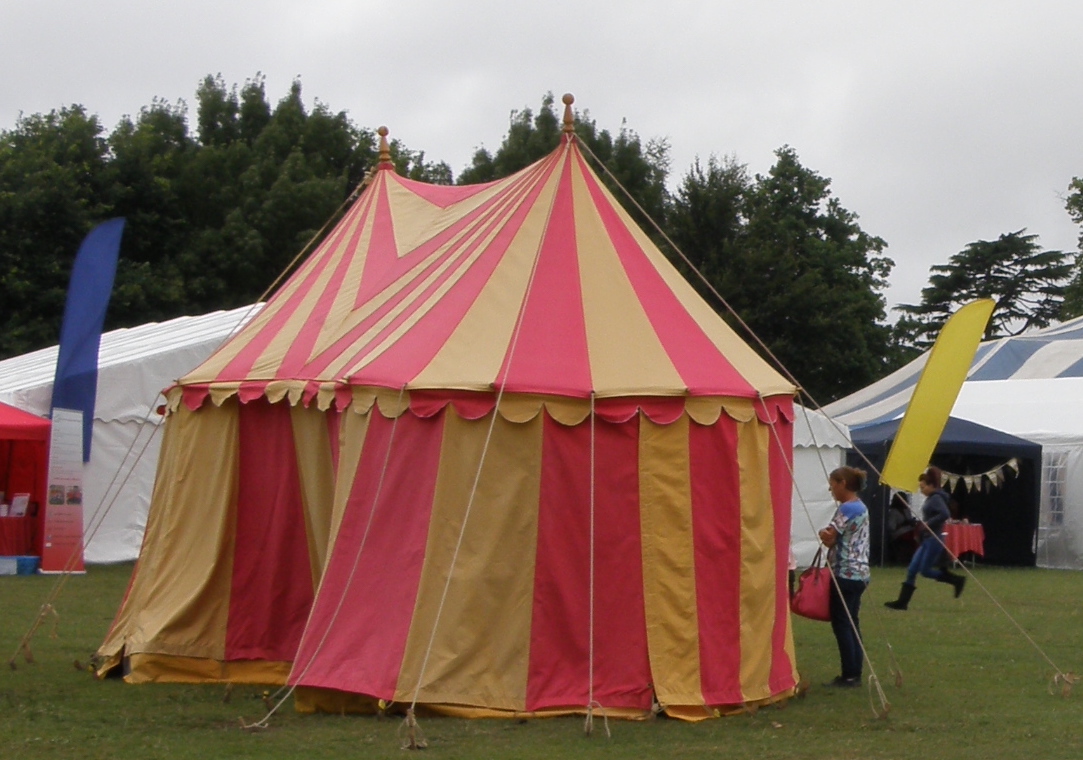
(91, 285)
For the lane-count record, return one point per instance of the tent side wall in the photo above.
(1060, 523)
(226, 578)
(687, 566)
(1009, 516)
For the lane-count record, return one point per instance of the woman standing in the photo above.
(934, 513)
(847, 535)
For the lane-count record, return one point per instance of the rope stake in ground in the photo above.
(588, 726)
(24, 645)
(1065, 682)
(894, 668)
(411, 734)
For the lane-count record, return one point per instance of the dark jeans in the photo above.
(847, 635)
(926, 561)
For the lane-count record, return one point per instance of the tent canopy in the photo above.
(959, 436)
(1007, 511)
(17, 425)
(538, 283)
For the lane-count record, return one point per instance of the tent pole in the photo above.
(885, 497)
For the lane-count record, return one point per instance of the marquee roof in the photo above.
(1012, 367)
(536, 283)
(134, 365)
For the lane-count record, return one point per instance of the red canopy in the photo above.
(24, 468)
(17, 425)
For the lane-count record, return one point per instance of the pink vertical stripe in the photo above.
(366, 638)
(271, 590)
(559, 671)
(716, 530)
(702, 367)
(553, 328)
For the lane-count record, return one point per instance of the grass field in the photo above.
(974, 686)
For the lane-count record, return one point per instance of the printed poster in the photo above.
(62, 545)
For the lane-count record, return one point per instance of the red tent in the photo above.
(24, 467)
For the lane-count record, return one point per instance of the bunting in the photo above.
(983, 481)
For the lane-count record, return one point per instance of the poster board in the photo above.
(62, 545)
(19, 503)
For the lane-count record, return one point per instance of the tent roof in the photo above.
(959, 436)
(1053, 355)
(813, 429)
(536, 283)
(173, 347)
(17, 425)
(1045, 410)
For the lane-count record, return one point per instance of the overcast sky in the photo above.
(939, 123)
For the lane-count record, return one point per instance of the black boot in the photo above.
(958, 581)
(903, 601)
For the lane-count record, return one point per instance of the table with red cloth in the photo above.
(16, 536)
(964, 537)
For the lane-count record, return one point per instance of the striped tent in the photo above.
(486, 450)
(1027, 385)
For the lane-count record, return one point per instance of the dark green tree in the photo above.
(707, 224)
(261, 186)
(793, 264)
(1026, 283)
(213, 217)
(412, 164)
(55, 180)
(149, 157)
(1073, 293)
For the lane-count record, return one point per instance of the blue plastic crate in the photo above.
(27, 564)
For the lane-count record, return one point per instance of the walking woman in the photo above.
(847, 535)
(926, 561)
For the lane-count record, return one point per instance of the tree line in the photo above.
(217, 209)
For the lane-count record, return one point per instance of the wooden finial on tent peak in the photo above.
(385, 149)
(569, 120)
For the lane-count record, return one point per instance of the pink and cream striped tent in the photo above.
(485, 451)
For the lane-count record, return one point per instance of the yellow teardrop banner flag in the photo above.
(935, 394)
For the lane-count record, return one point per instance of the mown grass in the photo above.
(974, 686)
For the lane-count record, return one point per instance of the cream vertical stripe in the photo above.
(480, 654)
(353, 433)
(317, 474)
(613, 312)
(669, 579)
(179, 602)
